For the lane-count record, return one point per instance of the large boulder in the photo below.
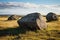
(32, 21)
(51, 17)
(12, 17)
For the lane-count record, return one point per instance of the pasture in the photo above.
(9, 30)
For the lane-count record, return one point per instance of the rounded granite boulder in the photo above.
(32, 21)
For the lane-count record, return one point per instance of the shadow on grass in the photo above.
(12, 31)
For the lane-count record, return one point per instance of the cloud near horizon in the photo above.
(29, 7)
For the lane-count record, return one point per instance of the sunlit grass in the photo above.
(52, 31)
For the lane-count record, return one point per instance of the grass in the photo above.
(10, 30)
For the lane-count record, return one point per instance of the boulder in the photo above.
(51, 17)
(32, 21)
(12, 17)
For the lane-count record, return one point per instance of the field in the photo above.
(9, 30)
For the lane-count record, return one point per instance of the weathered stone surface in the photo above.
(32, 21)
(51, 17)
(12, 17)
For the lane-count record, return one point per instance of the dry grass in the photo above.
(8, 24)
(4, 23)
(54, 25)
(52, 31)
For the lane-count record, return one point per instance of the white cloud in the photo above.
(18, 4)
(22, 7)
(27, 5)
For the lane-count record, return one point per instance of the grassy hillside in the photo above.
(9, 30)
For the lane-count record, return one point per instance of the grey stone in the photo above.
(51, 17)
(12, 17)
(32, 21)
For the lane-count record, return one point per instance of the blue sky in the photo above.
(35, 1)
(24, 7)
